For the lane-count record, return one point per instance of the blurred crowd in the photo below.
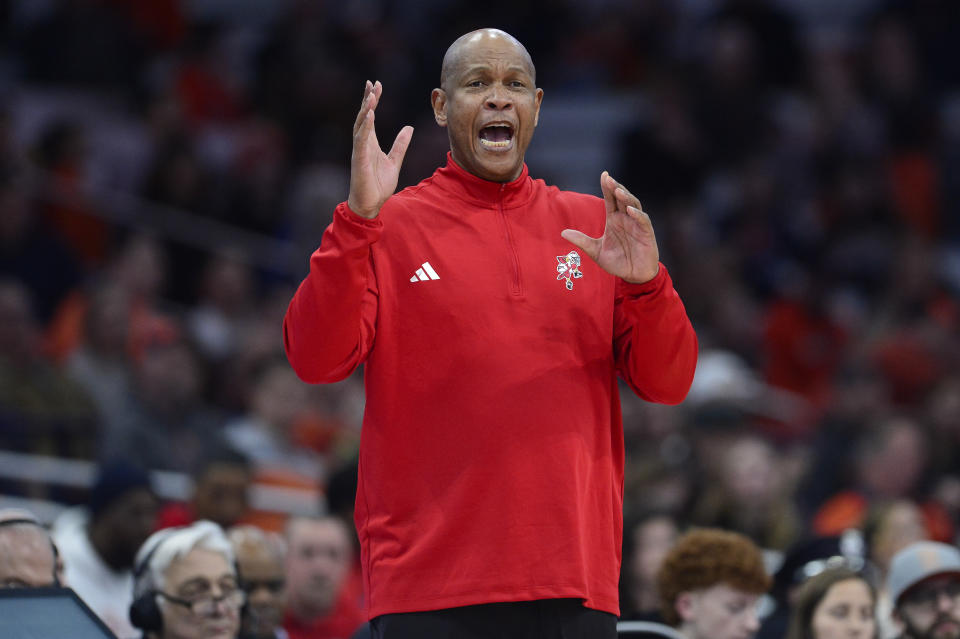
(797, 158)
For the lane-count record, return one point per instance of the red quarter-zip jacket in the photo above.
(491, 455)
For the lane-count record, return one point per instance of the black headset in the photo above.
(53, 547)
(144, 612)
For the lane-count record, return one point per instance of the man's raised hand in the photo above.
(628, 247)
(373, 173)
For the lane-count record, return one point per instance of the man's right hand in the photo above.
(373, 173)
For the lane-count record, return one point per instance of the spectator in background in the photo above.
(710, 583)
(41, 409)
(101, 363)
(185, 585)
(889, 463)
(924, 585)
(138, 271)
(804, 560)
(319, 555)
(30, 251)
(836, 604)
(888, 528)
(28, 556)
(164, 423)
(645, 544)
(266, 433)
(99, 543)
(61, 154)
(221, 491)
(226, 306)
(341, 494)
(750, 495)
(260, 564)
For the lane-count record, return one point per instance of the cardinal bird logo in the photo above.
(568, 268)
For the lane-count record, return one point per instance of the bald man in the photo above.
(259, 558)
(493, 315)
(27, 556)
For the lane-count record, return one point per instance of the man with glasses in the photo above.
(186, 585)
(924, 585)
(260, 564)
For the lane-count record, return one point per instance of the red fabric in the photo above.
(206, 97)
(915, 187)
(345, 618)
(491, 455)
(173, 514)
(802, 350)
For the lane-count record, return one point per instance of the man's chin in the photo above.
(499, 168)
(946, 630)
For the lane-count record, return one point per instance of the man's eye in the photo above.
(517, 84)
(475, 83)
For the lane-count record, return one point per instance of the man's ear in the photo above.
(438, 99)
(538, 99)
(898, 621)
(684, 605)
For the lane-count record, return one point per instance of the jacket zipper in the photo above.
(515, 284)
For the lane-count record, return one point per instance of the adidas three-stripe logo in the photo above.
(424, 273)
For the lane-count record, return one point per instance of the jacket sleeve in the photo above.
(331, 321)
(654, 343)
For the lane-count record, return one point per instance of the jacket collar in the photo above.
(456, 180)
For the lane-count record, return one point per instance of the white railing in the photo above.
(74, 473)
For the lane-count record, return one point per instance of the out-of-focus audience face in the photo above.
(221, 492)
(186, 585)
(898, 525)
(893, 458)
(140, 267)
(201, 577)
(19, 333)
(318, 560)
(130, 520)
(168, 375)
(845, 612)
(261, 571)
(924, 585)
(931, 610)
(710, 583)
(749, 472)
(108, 320)
(719, 612)
(652, 540)
(279, 397)
(27, 559)
(227, 285)
(834, 604)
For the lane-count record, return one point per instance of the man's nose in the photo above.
(945, 602)
(752, 622)
(498, 98)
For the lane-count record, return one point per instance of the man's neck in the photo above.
(306, 613)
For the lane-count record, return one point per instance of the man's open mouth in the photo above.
(496, 137)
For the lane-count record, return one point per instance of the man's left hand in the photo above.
(628, 246)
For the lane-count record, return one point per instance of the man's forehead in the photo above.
(937, 581)
(483, 66)
(26, 565)
(24, 539)
(478, 47)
